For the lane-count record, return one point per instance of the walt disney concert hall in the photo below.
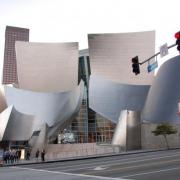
(86, 92)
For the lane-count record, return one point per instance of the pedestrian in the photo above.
(6, 156)
(28, 155)
(19, 154)
(11, 156)
(43, 155)
(16, 154)
(37, 154)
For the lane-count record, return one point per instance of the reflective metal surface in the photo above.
(27, 112)
(47, 67)
(120, 133)
(128, 131)
(111, 54)
(19, 126)
(109, 98)
(3, 104)
(4, 118)
(47, 95)
(164, 95)
(49, 108)
(133, 130)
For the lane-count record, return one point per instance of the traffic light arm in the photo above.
(140, 63)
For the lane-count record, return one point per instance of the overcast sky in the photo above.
(72, 20)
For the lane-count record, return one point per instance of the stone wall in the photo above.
(149, 141)
(60, 151)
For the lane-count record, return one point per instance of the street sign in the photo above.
(164, 50)
(152, 66)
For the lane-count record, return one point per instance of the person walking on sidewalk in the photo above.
(37, 154)
(43, 155)
(28, 155)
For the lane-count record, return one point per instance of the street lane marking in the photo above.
(151, 172)
(70, 174)
(137, 166)
(99, 168)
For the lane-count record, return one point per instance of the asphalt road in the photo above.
(144, 166)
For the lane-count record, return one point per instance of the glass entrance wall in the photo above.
(89, 126)
(79, 126)
(100, 129)
(104, 129)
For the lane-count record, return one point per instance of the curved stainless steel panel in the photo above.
(47, 67)
(70, 116)
(109, 98)
(127, 133)
(111, 54)
(3, 104)
(50, 108)
(4, 119)
(120, 133)
(164, 95)
(19, 126)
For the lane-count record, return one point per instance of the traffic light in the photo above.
(135, 65)
(177, 36)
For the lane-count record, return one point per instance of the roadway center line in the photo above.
(70, 174)
(151, 172)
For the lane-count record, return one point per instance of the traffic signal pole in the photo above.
(135, 60)
(169, 47)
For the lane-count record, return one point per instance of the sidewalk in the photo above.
(35, 161)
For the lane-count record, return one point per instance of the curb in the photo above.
(88, 157)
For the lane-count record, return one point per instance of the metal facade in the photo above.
(164, 95)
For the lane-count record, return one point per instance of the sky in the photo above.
(72, 20)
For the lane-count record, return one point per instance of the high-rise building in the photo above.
(12, 35)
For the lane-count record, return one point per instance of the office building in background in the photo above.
(12, 35)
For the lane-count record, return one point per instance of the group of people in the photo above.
(14, 155)
(42, 155)
(11, 156)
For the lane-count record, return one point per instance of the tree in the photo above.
(164, 129)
